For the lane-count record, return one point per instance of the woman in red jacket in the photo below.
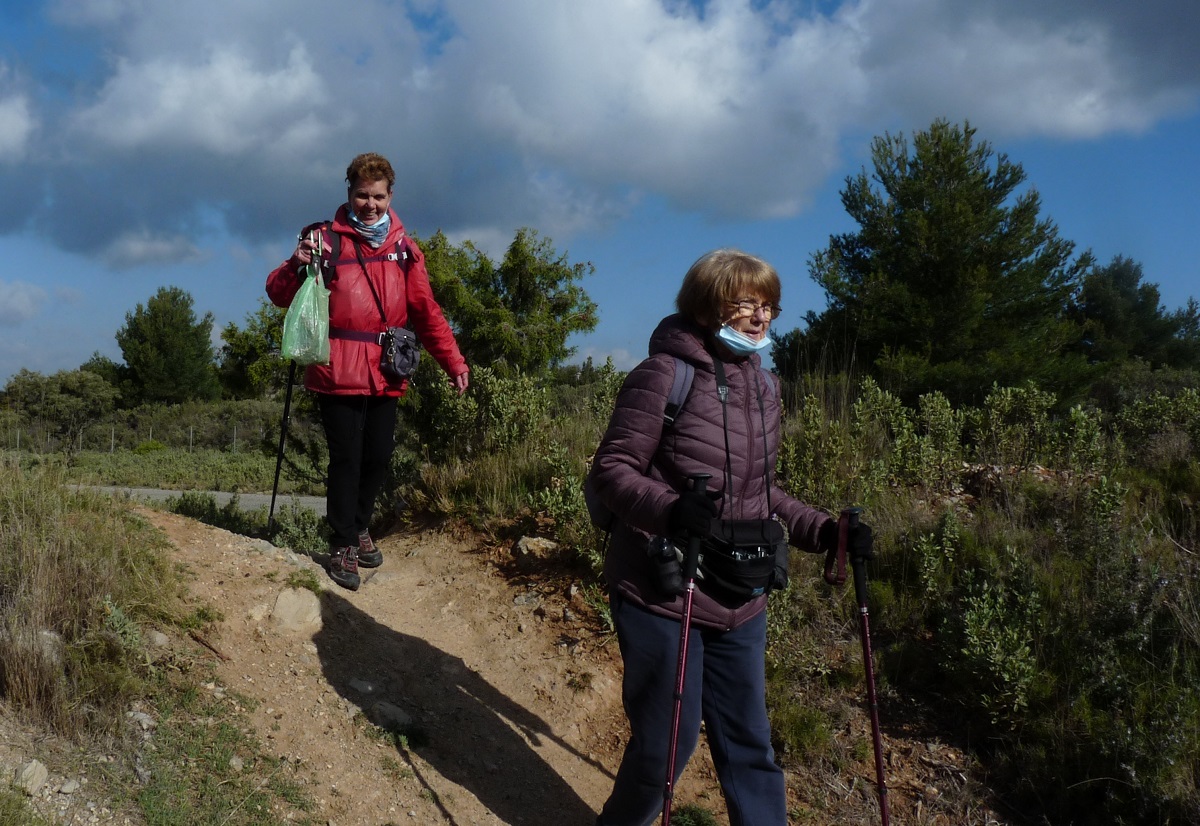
(378, 281)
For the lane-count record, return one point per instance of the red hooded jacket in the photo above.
(408, 301)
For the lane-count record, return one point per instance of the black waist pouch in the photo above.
(401, 353)
(740, 556)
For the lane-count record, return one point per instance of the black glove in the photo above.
(827, 537)
(860, 543)
(692, 514)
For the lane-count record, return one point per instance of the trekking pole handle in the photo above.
(847, 521)
(699, 484)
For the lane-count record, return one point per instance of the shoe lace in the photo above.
(346, 558)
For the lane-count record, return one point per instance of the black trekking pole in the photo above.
(283, 426)
(848, 520)
(690, 563)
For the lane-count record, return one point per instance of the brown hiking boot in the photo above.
(368, 555)
(343, 567)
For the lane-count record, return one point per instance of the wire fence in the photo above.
(233, 427)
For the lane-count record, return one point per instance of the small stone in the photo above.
(362, 686)
(141, 718)
(69, 787)
(297, 609)
(31, 776)
(389, 716)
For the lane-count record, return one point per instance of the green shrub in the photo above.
(562, 500)
(1014, 428)
(203, 507)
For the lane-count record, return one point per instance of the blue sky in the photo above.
(146, 144)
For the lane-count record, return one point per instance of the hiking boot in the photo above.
(368, 555)
(343, 567)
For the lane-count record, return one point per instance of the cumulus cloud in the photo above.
(139, 248)
(622, 358)
(19, 301)
(1007, 71)
(225, 105)
(561, 116)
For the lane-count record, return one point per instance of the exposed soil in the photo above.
(507, 682)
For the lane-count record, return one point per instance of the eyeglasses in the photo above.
(747, 307)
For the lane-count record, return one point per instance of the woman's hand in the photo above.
(305, 249)
(692, 514)
(460, 382)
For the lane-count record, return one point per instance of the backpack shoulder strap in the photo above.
(681, 384)
(768, 379)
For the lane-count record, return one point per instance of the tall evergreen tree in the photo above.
(516, 315)
(1123, 318)
(952, 282)
(168, 353)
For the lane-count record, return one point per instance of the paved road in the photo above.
(248, 501)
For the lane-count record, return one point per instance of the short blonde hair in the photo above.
(370, 166)
(721, 277)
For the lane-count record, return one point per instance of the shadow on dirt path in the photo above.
(478, 738)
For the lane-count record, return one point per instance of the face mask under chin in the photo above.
(740, 343)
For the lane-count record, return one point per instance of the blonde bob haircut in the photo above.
(721, 277)
(370, 167)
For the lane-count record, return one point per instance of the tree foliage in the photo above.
(953, 281)
(168, 352)
(64, 403)
(515, 316)
(1122, 319)
(249, 362)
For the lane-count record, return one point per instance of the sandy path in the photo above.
(518, 704)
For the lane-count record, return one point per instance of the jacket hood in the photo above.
(676, 335)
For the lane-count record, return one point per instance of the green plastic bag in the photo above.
(306, 325)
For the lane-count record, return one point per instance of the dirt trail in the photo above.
(519, 703)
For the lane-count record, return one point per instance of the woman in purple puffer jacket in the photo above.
(641, 471)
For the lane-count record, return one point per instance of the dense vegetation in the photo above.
(1029, 455)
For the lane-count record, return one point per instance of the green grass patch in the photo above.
(206, 768)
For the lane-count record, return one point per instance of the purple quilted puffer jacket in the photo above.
(641, 466)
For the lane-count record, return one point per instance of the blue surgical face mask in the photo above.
(740, 343)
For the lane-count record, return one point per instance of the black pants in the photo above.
(361, 435)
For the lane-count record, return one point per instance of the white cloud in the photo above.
(225, 105)
(141, 247)
(19, 302)
(621, 357)
(1008, 74)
